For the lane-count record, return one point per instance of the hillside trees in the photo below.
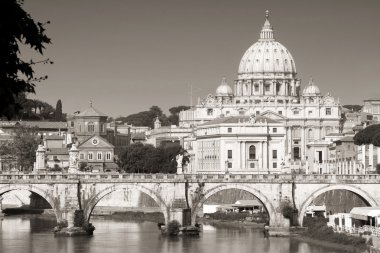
(146, 118)
(17, 77)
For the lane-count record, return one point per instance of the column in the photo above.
(370, 156)
(262, 157)
(243, 156)
(303, 143)
(237, 156)
(378, 155)
(354, 167)
(350, 167)
(265, 156)
(289, 151)
(363, 155)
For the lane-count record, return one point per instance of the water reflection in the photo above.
(33, 234)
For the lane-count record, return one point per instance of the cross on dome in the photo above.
(311, 81)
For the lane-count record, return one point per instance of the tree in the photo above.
(147, 118)
(58, 111)
(174, 117)
(369, 135)
(23, 147)
(16, 75)
(140, 158)
(353, 108)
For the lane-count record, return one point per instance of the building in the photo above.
(97, 154)
(91, 121)
(372, 106)
(237, 144)
(266, 87)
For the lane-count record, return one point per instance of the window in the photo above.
(257, 112)
(241, 112)
(209, 112)
(99, 155)
(328, 111)
(252, 165)
(274, 154)
(81, 156)
(274, 130)
(108, 156)
(72, 123)
(256, 88)
(280, 112)
(227, 112)
(296, 112)
(91, 127)
(229, 165)
(230, 130)
(252, 152)
(310, 112)
(267, 87)
(229, 154)
(274, 165)
(55, 157)
(90, 156)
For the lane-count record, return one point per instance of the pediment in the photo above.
(273, 115)
(95, 142)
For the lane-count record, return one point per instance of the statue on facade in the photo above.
(252, 119)
(179, 159)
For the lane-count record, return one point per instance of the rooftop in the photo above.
(239, 119)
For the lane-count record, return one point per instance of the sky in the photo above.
(127, 55)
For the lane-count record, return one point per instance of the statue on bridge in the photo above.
(73, 160)
(182, 160)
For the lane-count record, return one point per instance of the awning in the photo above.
(362, 213)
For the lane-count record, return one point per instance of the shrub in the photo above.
(173, 228)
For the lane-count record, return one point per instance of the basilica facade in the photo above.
(265, 122)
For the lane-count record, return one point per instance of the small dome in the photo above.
(224, 90)
(311, 89)
(266, 56)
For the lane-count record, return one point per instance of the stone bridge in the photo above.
(67, 193)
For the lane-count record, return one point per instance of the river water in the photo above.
(31, 234)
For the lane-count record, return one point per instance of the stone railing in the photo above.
(261, 178)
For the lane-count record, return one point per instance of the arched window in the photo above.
(252, 152)
(91, 127)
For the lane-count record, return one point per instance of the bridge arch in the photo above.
(363, 194)
(151, 193)
(273, 215)
(32, 188)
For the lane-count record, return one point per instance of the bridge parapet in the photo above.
(217, 178)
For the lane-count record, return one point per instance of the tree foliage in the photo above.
(23, 147)
(369, 135)
(140, 158)
(353, 108)
(58, 116)
(147, 118)
(17, 76)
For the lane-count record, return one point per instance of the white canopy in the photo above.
(362, 213)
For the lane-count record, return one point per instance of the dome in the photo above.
(311, 89)
(224, 90)
(266, 56)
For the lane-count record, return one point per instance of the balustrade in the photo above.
(300, 178)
